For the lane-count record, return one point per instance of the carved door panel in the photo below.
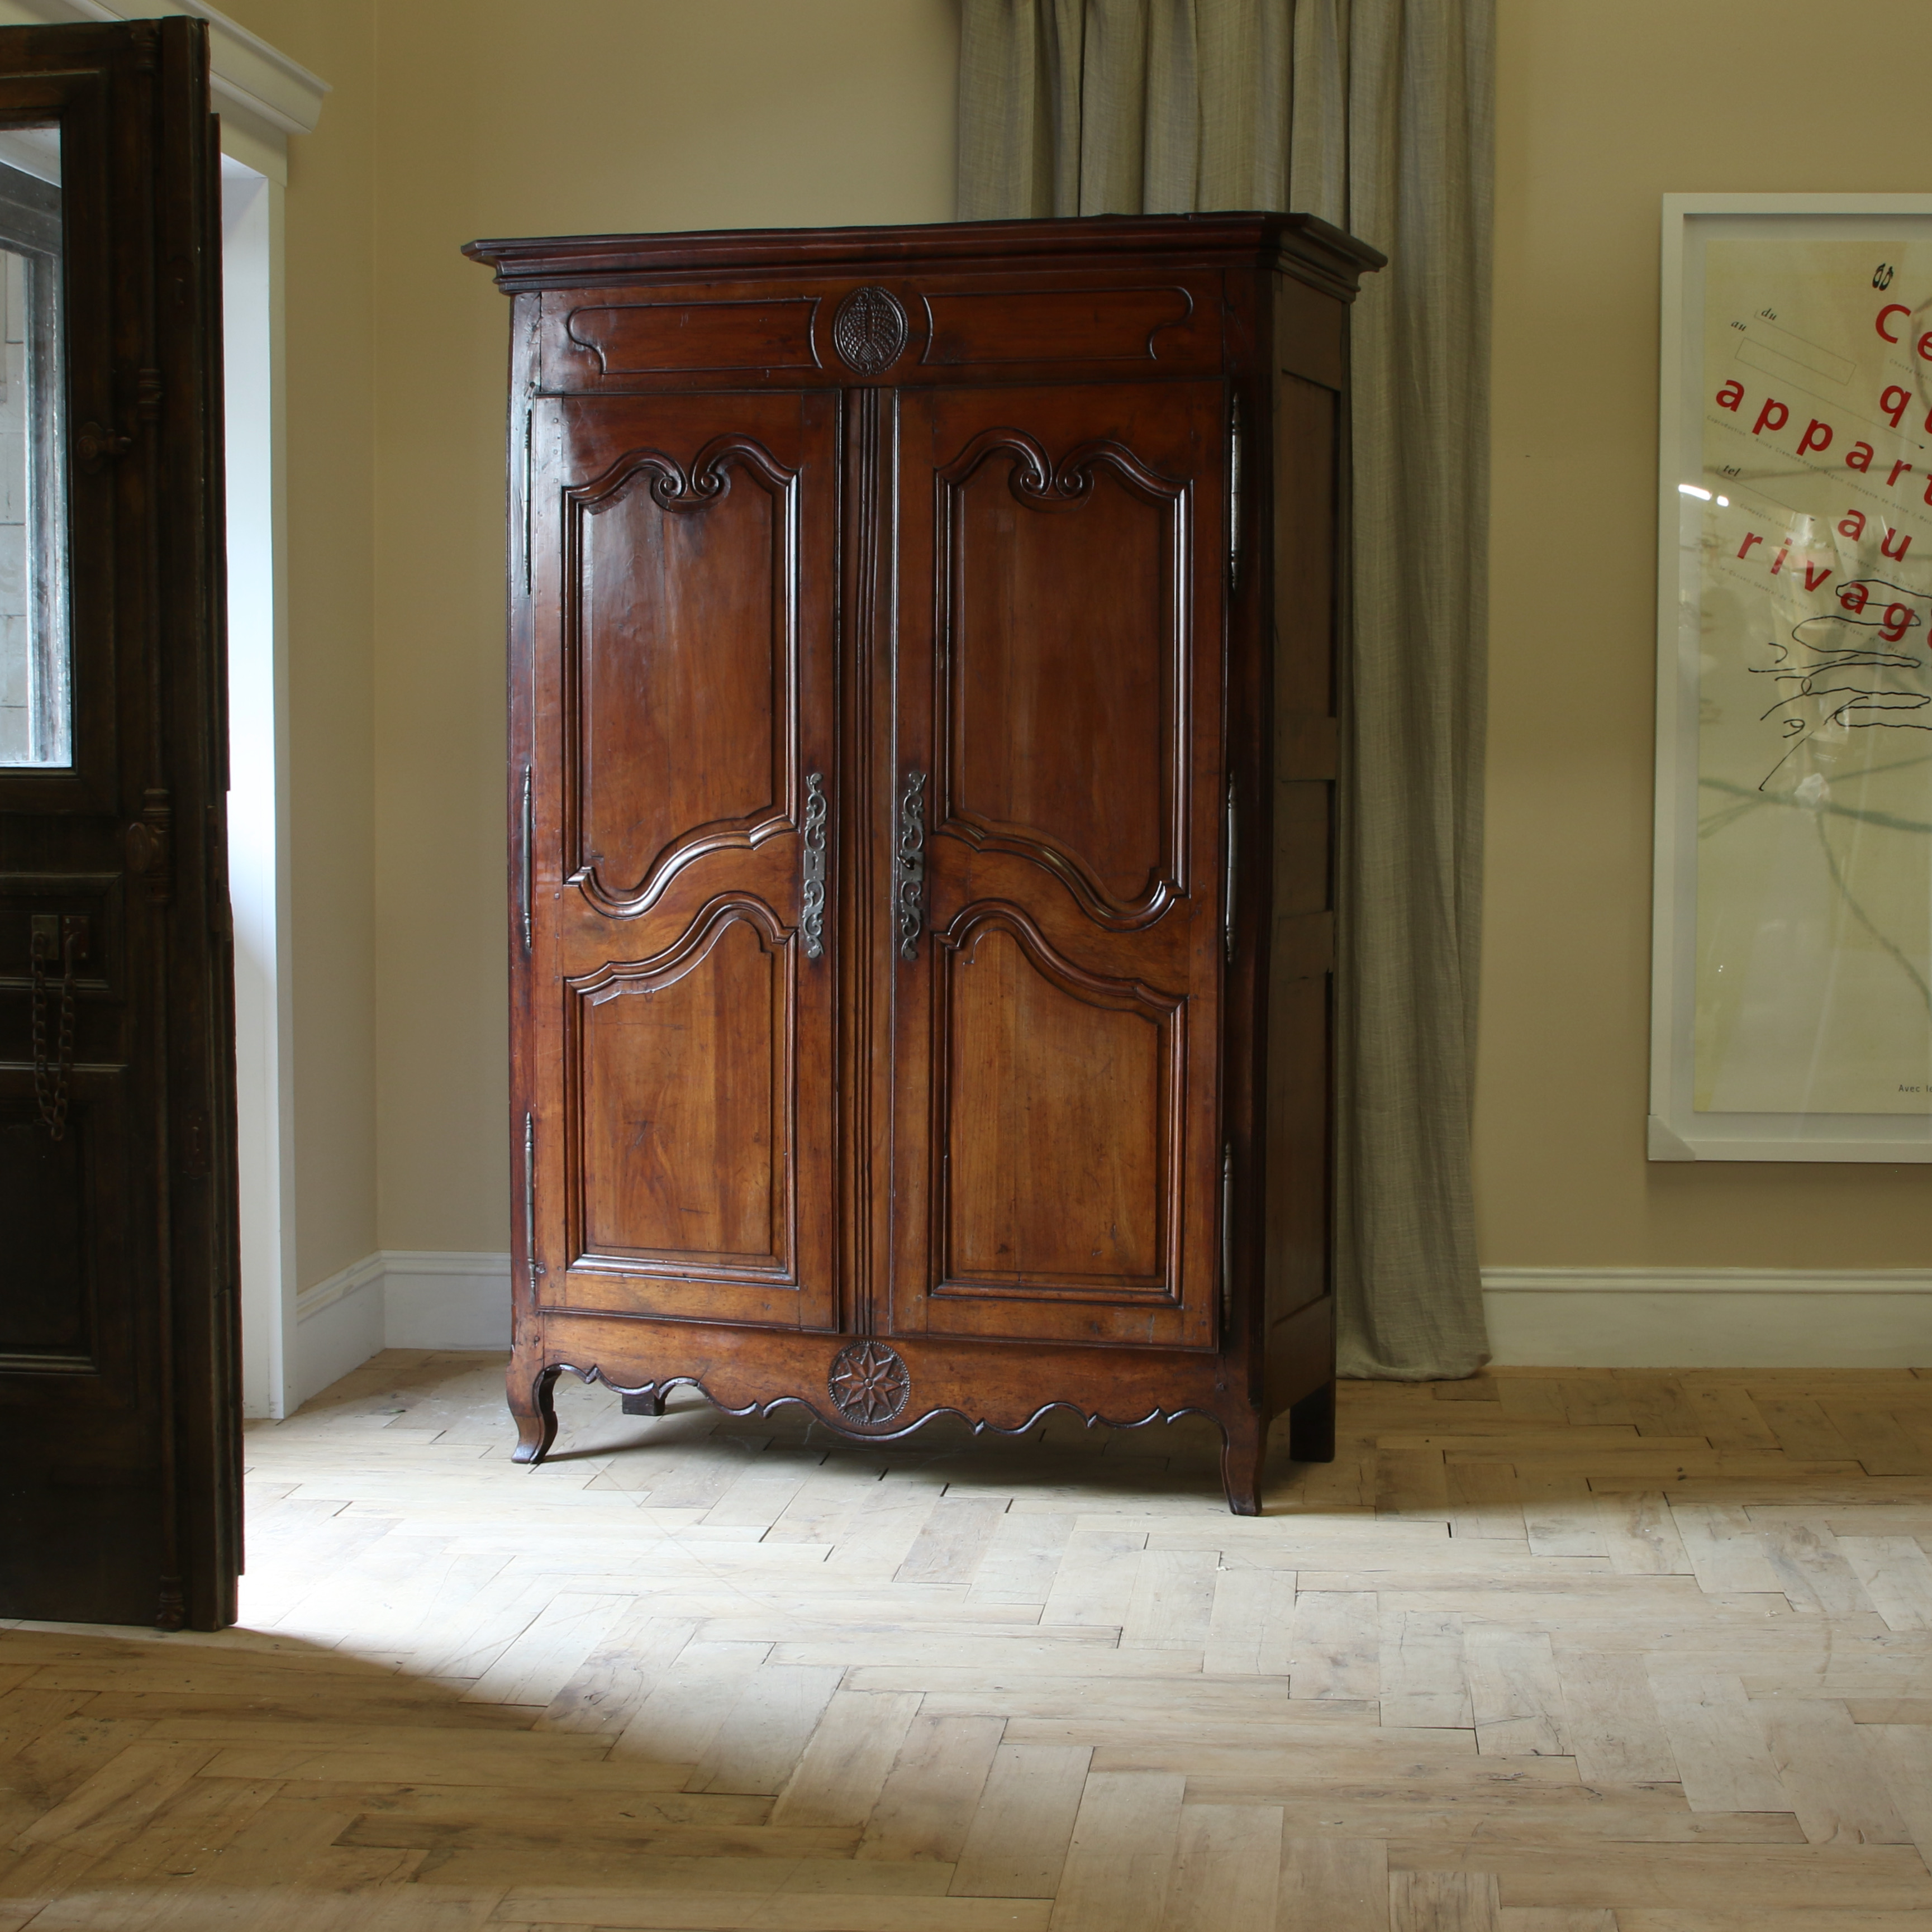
(1058, 787)
(678, 1000)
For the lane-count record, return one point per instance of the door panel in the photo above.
(683, 590)
(1058, 1146)
(119, 1411)
(1055, 1160)
(1059, 589)
(680, 1105)
(686, 1080)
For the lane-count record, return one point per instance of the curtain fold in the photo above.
(1377, 116)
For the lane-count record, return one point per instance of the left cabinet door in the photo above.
(674, 710)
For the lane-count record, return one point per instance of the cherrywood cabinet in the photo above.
(923, 685)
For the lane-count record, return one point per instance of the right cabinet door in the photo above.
(1057, 796)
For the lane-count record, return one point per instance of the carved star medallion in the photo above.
(869, 1383)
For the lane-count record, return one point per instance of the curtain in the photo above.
(1376, 115)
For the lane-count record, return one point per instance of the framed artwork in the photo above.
(1791, 966)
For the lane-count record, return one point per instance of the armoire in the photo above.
(924, 672)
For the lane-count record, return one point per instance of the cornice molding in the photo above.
(249, 74)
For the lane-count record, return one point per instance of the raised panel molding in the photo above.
(680, 493)
(688, 338)
(714, 1153)
(1041, 486)
(1085, 324)
(1157, 1278)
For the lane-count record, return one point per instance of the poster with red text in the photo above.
(1805, 607)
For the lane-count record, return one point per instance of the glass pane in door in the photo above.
(36, 691)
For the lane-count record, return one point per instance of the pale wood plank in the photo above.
(1016, 1845)
(1896, 1577)
(1443, 1901)
(1559, 1512)
(1332, 1885)
(1116, 1876)
(1097, 1577)
(1249, 1626)
(1639, 1535)
(1611, 1719)
(1226, 1871)
(1411, 1484)
(933, 1789)
(537, 1664)
(1515, 1696)
(1727, 1417)
(953, 1540)
(843, 1768)
(1723, 1761)
(1424, 1684)
(1903, 1753)
(1334, 1645)
(766, 1730)
(1725, 1550)
(1837, 1791)
(1483, 1501)
(1173, 1601)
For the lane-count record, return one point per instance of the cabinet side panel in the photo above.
(1301, 1026)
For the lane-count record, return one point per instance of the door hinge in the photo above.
(527, 859)
(1233, 493)
(1228, 883)
(529, 483)
(1227, 1238)
(150, 846)
(530, 1260)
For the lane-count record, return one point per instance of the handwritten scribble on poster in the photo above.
(1810, 534)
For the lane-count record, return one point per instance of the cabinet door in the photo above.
(1056, 1165)
(676, 1016)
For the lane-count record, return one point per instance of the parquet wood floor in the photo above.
(1580, 1651)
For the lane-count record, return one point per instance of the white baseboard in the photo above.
(338, 1327)
(445, 1300)
(1709, 1317)
(398, 1298)
(1539, 1317)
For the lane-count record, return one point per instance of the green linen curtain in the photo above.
(1376, 115)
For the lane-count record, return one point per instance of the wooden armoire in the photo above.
(924, 671)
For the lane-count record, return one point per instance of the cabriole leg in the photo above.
(1311, 1427)
(535, 1413)
(1243, 1448)
(646, 1402)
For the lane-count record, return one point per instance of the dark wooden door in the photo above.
(1057, 793)
(675, 1027)
(119, 1412)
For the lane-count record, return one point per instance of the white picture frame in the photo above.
(1679, 1129)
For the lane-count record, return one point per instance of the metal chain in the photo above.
(50, 1091)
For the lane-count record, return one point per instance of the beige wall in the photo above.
(330, 366)
(1602, 109)
(644, 114)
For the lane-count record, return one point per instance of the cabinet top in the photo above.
(1301, 245)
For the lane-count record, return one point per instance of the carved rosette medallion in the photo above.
(869, 330)
(869, 1383)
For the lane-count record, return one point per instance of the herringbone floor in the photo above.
(1576, 1652)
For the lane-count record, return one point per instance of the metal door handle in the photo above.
(811, 914)
(909, 865)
